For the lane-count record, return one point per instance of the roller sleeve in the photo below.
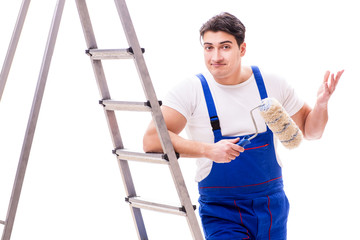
(280, 123)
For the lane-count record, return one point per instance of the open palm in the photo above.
(328, 87)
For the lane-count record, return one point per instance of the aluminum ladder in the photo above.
(135, 52)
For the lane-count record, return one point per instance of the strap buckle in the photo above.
(215, 123)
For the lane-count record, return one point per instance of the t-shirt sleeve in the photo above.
(181, 97)
(284, 93)
(291, 101)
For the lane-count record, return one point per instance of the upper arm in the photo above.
(174, 120)
(175, 123)
(300, 117)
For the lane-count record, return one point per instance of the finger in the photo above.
(225, 159)
(229, 159)
(232, 157)
(338, 75)
(242, 149)
(234, 154)
(237, 147)
(332, 84)
(326, 76)
(336, 80)
(325, 85)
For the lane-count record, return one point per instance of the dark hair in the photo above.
(225, 22)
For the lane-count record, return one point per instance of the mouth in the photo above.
(217, 64)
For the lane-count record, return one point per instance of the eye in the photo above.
(226, 47)
(208, 48)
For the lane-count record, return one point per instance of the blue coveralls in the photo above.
(244, 199)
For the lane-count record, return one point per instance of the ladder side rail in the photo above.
(110, 116)
(13, 45)
(98, 71)
(34, 113)
(158, 119)
(145, 77)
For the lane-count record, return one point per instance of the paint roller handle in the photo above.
(243, 142)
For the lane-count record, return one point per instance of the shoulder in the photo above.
(275, 82)
(279, 87)
(184, 96)
(188, 83)
(270, 77)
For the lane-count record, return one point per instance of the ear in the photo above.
(242, 49)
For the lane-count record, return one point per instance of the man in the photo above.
(241, 189)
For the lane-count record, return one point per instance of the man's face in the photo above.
(222, 55)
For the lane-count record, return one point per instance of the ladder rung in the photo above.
(138, 203)
(103, 54)
(159, 158)
(126, 106)
(2, 222)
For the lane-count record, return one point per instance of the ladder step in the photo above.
(159, 158)
(138, 203)
(126, 106)
(2, 222)
(104, 54)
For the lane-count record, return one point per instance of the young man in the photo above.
(241, 189)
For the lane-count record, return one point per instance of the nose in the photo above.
(217, 56)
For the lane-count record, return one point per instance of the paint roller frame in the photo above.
(246, 140)
(267, 103)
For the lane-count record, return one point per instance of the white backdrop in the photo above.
(73, 188)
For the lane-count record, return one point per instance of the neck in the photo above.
(242, 75)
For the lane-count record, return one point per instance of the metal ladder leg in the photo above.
(35, 109)
(169, 156)
(158, 119)
(13, 44)
(110, 115)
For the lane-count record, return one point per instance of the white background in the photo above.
(73, 188)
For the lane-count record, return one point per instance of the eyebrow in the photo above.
(223, 42)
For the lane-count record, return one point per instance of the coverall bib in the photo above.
(243, 199)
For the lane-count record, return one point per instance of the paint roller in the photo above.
(278, 121)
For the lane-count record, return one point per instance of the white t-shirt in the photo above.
(233, 105)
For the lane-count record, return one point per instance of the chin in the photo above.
(218, 75)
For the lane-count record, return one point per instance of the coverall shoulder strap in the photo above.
(259, 81)
(214, 119)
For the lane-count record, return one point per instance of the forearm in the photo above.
(189, 148)
(316, 122)
(223, 151)
(185, 147)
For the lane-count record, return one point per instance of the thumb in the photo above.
(235, 140)
(238, 147)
